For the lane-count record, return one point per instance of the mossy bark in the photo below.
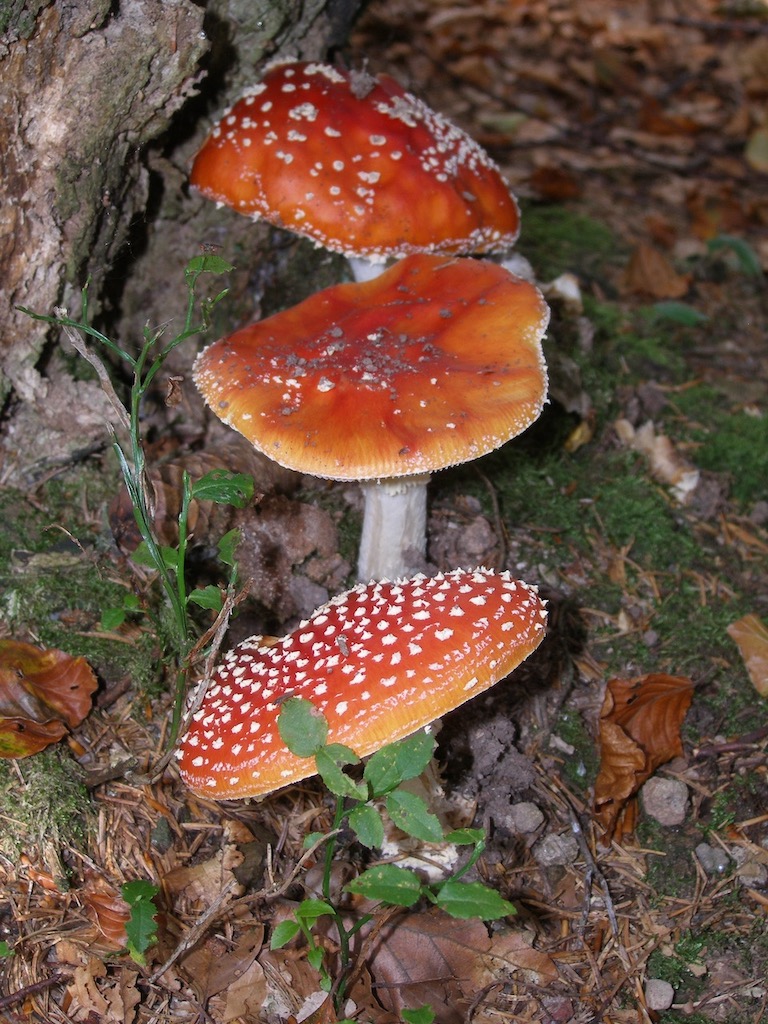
(100, 108)
(82, 93)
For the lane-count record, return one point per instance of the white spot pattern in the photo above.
(442, 665)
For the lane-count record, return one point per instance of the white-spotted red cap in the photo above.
(379, 661)
(435, 362)
(356, 164)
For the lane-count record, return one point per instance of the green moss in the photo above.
(19, 17)
(580, 768)
(632, 510)
(724, 439)
(48, 805)
(555, 240)
(695, 633)
(670, 873)
(54, 585)
(738, 446)
(675, 967)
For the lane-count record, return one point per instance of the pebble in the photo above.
(524, 818)
(714, 860)
(556, 849)
(659, 994)
(666, 800)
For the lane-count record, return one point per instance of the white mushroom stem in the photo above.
(394, 538)
(365, 270)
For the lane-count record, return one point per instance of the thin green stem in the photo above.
(181, 578)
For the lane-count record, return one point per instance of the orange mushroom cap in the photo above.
(357, 164)
(379, 661)
(435, 362)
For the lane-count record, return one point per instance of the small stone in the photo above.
(659, 995)
(714, 860)
(666, 800)
(556, 849)
(524, 817)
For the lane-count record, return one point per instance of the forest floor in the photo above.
(622, 773)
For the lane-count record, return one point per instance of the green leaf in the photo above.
(143, 556)
(315, 958)
(399, 762)
(330, 761)
(302, 727)
(410, 813)
(311, 838)
(745, 254)
(308, 911)
(224, 488)
(679, 313)
(209, 263)
(111, 618)
(227, 546)
(423, 1015)
(206, 597)
(472, 899)
(466, 837)
(388, 884)
(365, 821)
(141, 928)
(5, 949)
(283, 933)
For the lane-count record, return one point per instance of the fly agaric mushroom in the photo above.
(380, 661)
(358, 165)
(434, 363)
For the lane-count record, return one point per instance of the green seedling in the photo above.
(141, 927)
(364, 805)
(169, 563)
(746, 257)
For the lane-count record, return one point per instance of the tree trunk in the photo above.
(100, 108)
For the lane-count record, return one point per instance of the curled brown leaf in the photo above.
(41, 693)
(639, 731)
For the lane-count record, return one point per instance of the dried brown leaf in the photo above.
(751, 637)
(639, 731)
(214, 966)
(665, 462)
(429, 957)
(244, 999)
(109, 911)
(41, 693)
(649, 272)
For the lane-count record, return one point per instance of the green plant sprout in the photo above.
(169, 563)
(304, 731)
(141, 927)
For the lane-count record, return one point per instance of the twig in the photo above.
(497, 517)
(592, 874)
(718, 26)
(273, 892)
(197, 929)
(82, 349)
(216, 635)
(30, 990)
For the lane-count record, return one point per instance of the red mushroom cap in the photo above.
(379, 661)
(435, 362)
(356, 164)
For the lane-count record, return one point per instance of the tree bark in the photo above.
(100, 108)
